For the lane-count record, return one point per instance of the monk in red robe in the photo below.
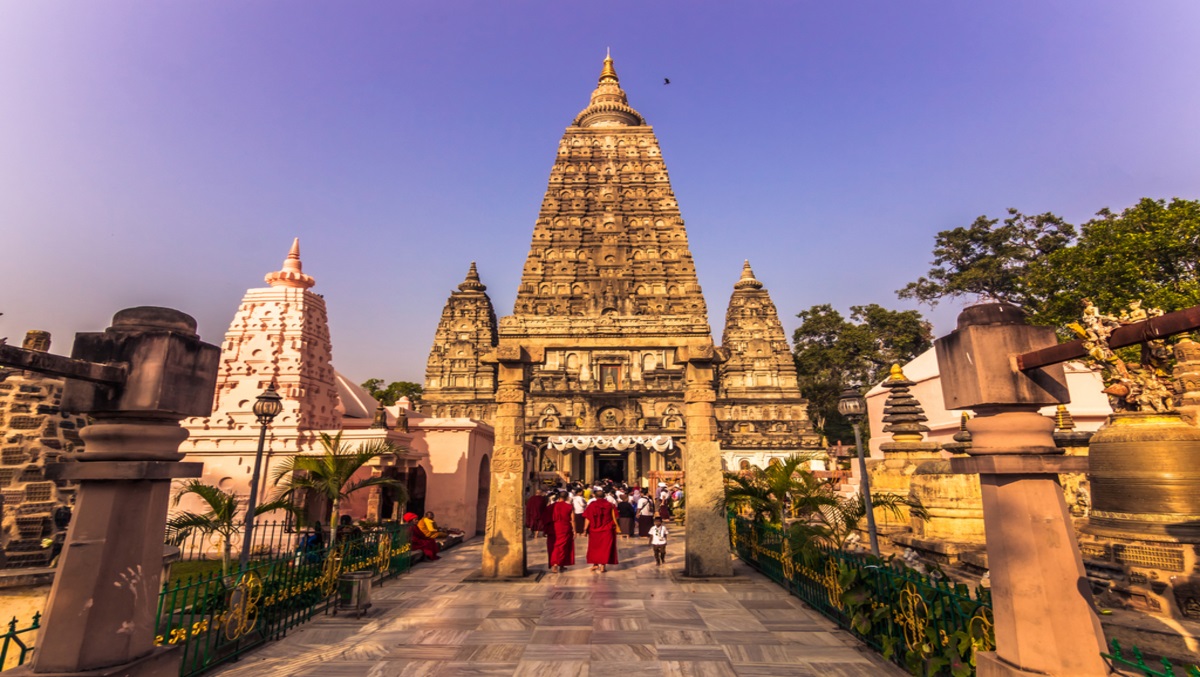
(533, 512)
(601, 517)
(547, 524)
(562, 543)
(420, 541)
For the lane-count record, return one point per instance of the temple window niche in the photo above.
(610, 377)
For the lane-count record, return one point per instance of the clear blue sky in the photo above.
(166, 153)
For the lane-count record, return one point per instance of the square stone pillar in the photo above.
(1045, 618)
(504, 535)
(100, 617)
(589, 466)
(706, 551)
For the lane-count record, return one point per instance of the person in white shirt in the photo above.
(645, 515)
(658, 541)
(578, 504)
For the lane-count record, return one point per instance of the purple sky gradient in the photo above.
(166, 153)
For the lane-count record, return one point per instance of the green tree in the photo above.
(222, 516)
(832, 353)
(991, 260)
(394, 391)
(331, 474)
(1148, 252)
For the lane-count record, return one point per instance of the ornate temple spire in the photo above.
(292, 274)
(609, 106)
(748, 280)
(472, 282)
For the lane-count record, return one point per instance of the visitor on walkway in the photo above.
(418, 539)
(533, 512)
(579, 504)
(602, 530)
(562, 551)
(547, 518)
(625, 514)
(645, 516)
(658, 541)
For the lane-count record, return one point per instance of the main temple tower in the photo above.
(608, 313)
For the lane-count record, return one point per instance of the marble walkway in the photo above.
(636, 619)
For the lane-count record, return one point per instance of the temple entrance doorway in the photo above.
(611, 468)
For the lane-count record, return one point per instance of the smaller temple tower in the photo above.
(457, 383)
(280, 334)
(760, 412)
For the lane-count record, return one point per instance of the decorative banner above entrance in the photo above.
(618, 442)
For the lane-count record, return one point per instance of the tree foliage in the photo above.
(1148, 252)
(991, 260)
(394, 391)
(832, 353)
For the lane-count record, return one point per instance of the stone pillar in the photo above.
(1044, 614)
(631, 469)
(589, 466)
(102, 609)
(706, 551)
(504, 535)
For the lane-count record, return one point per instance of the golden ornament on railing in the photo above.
(833, 585)
(332, 568)
(243, 605)
(912, 615)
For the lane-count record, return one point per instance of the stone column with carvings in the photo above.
(1045, 617)
(504, 535)
(706, 551)
(101, 614)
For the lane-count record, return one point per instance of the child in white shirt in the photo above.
(658, 541)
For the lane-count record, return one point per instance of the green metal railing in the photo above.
(929, 627)
(271, 539)
(15, 649)
(1165, 669)
(216, 619)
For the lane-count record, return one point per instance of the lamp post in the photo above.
(266, 407)
(853, 407)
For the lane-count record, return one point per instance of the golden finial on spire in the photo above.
(896, 373)
(608, 74)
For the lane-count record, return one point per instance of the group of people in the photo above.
(602, 512)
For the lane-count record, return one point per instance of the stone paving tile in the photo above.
(637, 620)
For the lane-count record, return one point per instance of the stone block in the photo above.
(977, 366)
(181, 373)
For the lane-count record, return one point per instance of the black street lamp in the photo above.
(853, 407)
(266, 407)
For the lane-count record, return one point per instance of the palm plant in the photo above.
(331, 474)
(221, 518)
(786, 487)
(789, 495)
